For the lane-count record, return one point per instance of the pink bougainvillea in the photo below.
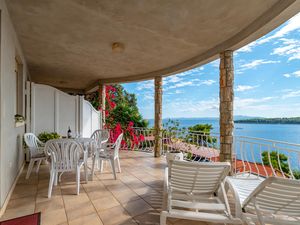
(130, 139)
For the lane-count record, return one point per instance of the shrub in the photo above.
(45, 136)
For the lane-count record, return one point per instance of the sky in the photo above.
(267, 81)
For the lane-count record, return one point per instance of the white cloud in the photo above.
(291, 25)
(179, 91)
(215, 63)
(148, 96)
(294, 74)
(207, 82)
(252, 104)
(149, 84)
(183, 107)
(190, 83)
(249, 101)
(289, 48)
(241, 88)
(291, 94)
(171, 79)
(255, 63)
(194, 71)
(181, 84)
(248, 47)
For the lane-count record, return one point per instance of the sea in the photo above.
(278, 132)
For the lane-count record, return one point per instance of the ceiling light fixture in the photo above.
(117, 47)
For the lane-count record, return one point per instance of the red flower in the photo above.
(142, 138)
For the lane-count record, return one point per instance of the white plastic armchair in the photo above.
(36, 150)
(101, 137)
(273, 201)
(195, 191)
(111, 154)
(66, 156)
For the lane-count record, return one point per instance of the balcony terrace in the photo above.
(134, 198)
(53, 52)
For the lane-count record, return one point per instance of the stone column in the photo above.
(102, 97)
(158, 116)
(226, 106)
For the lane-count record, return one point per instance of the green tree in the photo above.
(200, 134)
(276, 164)
(296, 174)
(204, 128)
(121, 106)
(125, 109)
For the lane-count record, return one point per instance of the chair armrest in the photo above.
(238, 208)
(104, 142)
(165, 189)
(166, 178)
(42, 144)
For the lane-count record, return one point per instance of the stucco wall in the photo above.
(11, 153)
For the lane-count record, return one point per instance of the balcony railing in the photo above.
(252, 156)
(266, 158)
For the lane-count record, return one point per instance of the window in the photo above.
(19, 86)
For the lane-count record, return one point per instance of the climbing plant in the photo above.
(121, 115)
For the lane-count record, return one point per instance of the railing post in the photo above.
(158, 116)
(226, 106)
(102, 97)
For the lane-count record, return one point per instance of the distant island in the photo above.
(292, 120)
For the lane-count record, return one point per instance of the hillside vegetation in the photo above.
(291, 120)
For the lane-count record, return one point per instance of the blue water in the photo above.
(279, 132)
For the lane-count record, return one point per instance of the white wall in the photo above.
(90, 119)
(11, 153)
(54, 115)
(61, 111)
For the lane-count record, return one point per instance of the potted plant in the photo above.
(174, 155)
(45, 136)
(19, 120)
(173, 132)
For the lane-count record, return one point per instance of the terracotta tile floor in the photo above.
(134, 198)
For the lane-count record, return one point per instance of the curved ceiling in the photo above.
(68, 44)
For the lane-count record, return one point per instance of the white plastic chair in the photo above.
(273, 201)
(36, 150)
(101, 137)
(111, 154)
(195, 191)
(66, 156)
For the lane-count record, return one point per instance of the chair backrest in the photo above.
(197, 177)
(117, 145)
(32, 142)
(64, 153)
(277, 196)
(100, 136)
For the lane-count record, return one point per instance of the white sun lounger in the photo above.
(270, 201)
(196, 192)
